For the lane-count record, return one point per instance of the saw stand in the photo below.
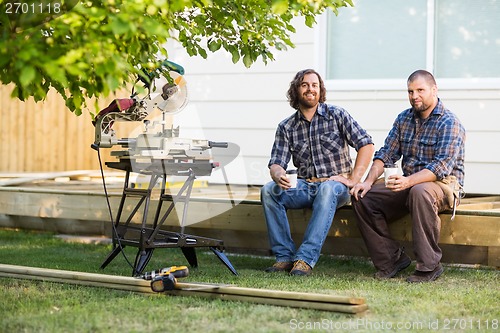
(148, 237)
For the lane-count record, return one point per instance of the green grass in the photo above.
(464, 298)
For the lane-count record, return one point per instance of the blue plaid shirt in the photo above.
(435, 143)
(319, 148)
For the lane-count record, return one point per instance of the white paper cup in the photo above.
(292, 178)
(389, 171)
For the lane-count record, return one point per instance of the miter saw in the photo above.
(158, 152)
(153, 143)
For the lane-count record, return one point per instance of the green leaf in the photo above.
(280, 46)
(203, 53)
(214, 46)
(247, 60)
(119, 26)
(310, 21)
(235, 55)
(279, 6)
(112, 82)
(57, 73)
(27, 76)
(97, 46)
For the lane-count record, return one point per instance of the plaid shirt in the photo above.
(319, 148)
(435, 143)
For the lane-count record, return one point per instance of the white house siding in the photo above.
(229, 102)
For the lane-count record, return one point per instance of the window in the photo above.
(388, 39)
(467, 39)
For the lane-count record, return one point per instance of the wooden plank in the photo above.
(242, 226)
(16, 131)
(334, 307)
(29, 142)
(473, 200)
(481, 206)
(277, 294)
(4, 123)
(43, 176)
(494, 256)
(257, 243)
(39, 160)
(325, 302)
(141, 289)
(470, 230)
(462, 254)
(57, 226)
(482, 230)
(253, 242)
(6, 143)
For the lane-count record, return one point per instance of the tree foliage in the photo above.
(91, 48)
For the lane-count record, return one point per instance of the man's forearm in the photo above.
(424, 175)
(376, 170)
(363, 159)
(276, 171)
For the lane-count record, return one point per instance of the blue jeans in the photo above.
(324, 198)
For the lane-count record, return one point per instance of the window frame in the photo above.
(321, 35)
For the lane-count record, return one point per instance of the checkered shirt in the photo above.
(435, 143)
(319, 148)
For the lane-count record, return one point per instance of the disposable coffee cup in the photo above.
(389, 170)
(292, 178)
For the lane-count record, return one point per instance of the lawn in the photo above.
(463, 299)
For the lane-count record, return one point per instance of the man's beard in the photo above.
(308, 103)
(420, 108)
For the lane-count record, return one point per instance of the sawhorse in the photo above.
(148, 237)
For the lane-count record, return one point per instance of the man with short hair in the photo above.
(317, 138)
(430, 139)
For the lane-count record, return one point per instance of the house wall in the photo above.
(229, 102)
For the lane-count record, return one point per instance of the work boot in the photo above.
(300, 267)
(419, 276)
(403, 262)
(280, 266)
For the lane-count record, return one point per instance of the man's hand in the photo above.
(360, 189)
(283, 182)
(278, 174)
(344, 180)
(398, 183)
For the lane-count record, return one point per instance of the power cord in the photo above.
(115, 231)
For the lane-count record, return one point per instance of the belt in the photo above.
(317, 180)
(323, 179)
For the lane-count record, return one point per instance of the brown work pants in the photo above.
(381, 206)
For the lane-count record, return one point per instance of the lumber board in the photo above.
(494, 256)
(334, 307)
(285, 295)
(466, 229)
(476, 225)
(324, 302)
(71, 275)
(43, 176)
(124, 287)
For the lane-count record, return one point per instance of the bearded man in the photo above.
(316, 138)
(430, 141)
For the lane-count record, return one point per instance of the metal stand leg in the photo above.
(146, 239)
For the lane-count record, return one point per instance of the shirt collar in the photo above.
(321, 110)
(438, 109)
